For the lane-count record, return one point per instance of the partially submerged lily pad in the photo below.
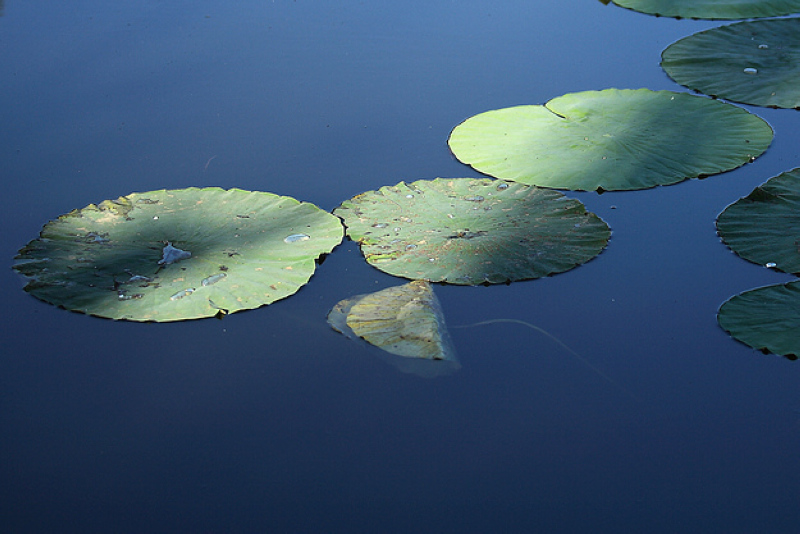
(713, 9)
(406, 321)
(754, 62)
(764, 226)
(611, 140)
(180, 254)
(767, 319)
(472, 231)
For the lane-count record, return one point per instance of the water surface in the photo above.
(268, 419)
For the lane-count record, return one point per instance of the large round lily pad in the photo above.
(181, 254)
(713, 9)
(755, 62)
(611, 140)
(767, 318)
(472, 231)
(764, 226)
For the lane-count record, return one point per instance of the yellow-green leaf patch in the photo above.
(615, 139)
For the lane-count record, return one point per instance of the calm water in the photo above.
(270, 421)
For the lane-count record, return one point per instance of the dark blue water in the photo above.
(270, 421)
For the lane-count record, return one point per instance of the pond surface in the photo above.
(268, 420)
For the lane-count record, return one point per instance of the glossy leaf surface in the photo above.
(755, 62)
(764, 226)
(767, 318)
(611, 140)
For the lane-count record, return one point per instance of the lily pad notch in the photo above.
(172, 255)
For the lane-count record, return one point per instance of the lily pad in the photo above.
(180, 254)
(764, 226)
(472, 231)
(754, 62)
(611, 140)
(404, 320)
(767, 318)
(713, 9)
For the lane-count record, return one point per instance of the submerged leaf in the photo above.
(764, 226)
(404, 320)
(472, 231)
(713, 9)
(767, 318)
(611, 140)
(174, 255)
(754, 62)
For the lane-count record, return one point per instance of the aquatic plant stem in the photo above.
(559, 342)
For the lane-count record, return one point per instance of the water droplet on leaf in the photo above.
(213, 279)
(294, 238)
(182, 293)
(94, 237)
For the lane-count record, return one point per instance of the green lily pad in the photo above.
(764, 226)
(404, 320)
(472, 231)
(767, 318)
(713, 9)
(754, 62)
(611, 140)
(181, 254)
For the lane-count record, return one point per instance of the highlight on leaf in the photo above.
(611, 140)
